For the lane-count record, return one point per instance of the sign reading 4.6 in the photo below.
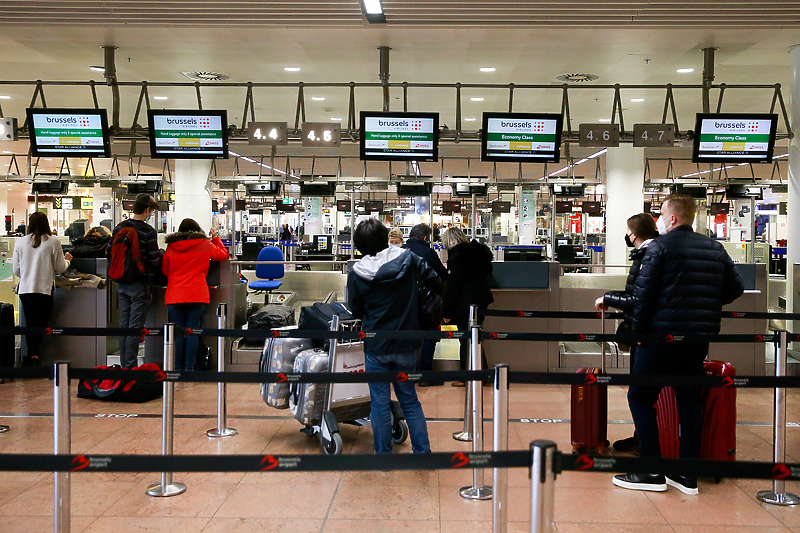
(598, 135)
(654, 135)
(267, 133)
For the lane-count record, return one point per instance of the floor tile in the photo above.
(610, 505)
(259, 501)
(263, 525)
(146, 524)
(386, 503)
(732, 508)
(333, 525)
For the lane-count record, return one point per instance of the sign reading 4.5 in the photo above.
(321, 134)
(267, 133)
(654, 135)
(599, 135)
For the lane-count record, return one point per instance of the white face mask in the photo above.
(661, 226)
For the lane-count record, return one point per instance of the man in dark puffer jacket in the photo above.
(684, 281)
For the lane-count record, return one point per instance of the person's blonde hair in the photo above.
(452, 237)
(396, 234)
(682, 206)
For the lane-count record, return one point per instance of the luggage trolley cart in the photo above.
(344, 402)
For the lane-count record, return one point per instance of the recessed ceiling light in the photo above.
(685, 70)
(48, 159)
(605, 120)
(7, 152)
(98, 69)
(637, 99)
(470, 119)
(291, 69)
(4, 97)
(373, 7)
(488, 69)
(336, 118)
(318, 98)
(477, 99)
(159, 98)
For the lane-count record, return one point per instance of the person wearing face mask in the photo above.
(684, 280)
(641, 232)
(395, 237)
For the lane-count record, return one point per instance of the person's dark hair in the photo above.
(39, 227)
(420, 231)
(643, 226)
(189, 224)
(371, 236)
(143, 201)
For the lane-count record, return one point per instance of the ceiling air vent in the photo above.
(577, 78)
(206, 76)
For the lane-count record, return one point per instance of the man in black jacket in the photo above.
(684, 281)
(418, 242)
(382, 291)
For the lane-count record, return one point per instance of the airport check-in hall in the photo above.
(391, 265)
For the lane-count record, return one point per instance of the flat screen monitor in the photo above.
(414, 189)
(343, 205)
(563, 242)
(373, 206)
(734, 137)
(321, 244)
(744, 191)
(591, 208)
(695, 191)
(240, 204)
(164, 206)
(468, 189)
(521, 137)
(251, 238)
(563, 207)
(389, 136)
(188, 134)
(50, 187)
(263, 188)
(69, 132)
(568, 191)
(150, 187)
(501, 207)
(127, 205)
(317, 188)
(450, 207)
(720, 209)
(285, 208)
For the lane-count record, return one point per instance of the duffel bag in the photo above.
(318, 316)
(122, 390)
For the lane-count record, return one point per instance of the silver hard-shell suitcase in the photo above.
(278, 356)
(307, 400)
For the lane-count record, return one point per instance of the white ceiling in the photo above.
(432, 42)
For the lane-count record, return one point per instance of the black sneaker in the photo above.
(430, 383)
(629, 445)
(685, 484)
(651, 482)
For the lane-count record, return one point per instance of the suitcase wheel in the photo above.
(399, 432)
(335, 446)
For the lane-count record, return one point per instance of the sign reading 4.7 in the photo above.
(267, 133)
(654, 135)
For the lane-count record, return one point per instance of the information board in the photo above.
(399, 136)
(69, 132)
(188, 134)
(521, 137)
(735, 137)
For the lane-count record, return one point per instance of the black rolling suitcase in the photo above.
(7, 344)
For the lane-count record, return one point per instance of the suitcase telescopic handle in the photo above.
(602, 342)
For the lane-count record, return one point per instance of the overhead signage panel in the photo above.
(324, 134)
(734, 137)
(69, 132)
(267, 133)
(399, 136)
(188, 134)
(653, 135)
(521, 137)
(598, 135)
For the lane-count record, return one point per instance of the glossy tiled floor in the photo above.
(424, 502)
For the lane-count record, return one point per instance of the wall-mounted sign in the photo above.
(267, 133)
(599, 135)
(654, 135)
(326, 134)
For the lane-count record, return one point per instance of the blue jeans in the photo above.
(134, 303)
(186, 316)
(380, 394)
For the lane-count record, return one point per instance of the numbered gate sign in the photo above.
(598, 135)
(267, 133)
(654, 135)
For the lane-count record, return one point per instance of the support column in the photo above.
(192, 192)
(624, 198)
(793, 210)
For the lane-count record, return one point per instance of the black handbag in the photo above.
(430, 308)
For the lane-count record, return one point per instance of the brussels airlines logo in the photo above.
(449, 335)
(62, 120)
(727, 381)
(281, 378)
(181, 121)
(759, 338)
(402, 377)
(459, 460)
(491, 335)
(590, 379)
(394, 124)
(48, 331)
(781, 471)
(581, 337)
(584, 462)
(268, 463)
(160, 376)
(79, 462)
(275, 333)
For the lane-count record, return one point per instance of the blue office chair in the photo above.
(268, 274)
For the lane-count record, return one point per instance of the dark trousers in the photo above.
(462, 322)
(426, 356)
(37, 308)
(187, 315)
(668, 359)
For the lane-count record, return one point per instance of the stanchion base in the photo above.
(476, 493)
(786, 498)
(220, 433)
(160, 491)
(4, 429)
(464, 436)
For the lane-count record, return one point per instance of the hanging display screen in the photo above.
(521, 137)
(188, 134)
(399, 136)
(69, 132)
(734, 137)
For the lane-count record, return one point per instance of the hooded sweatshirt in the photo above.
(185, 264)
(469, 264)
(382, 291)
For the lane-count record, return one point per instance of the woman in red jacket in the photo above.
(185, 264)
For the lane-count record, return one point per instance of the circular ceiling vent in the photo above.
(205, 76)
(577, 78)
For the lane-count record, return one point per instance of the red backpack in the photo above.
(126, 257)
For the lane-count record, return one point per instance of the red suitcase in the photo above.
(589, 415)
(719, 418)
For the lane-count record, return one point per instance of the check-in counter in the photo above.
(524, 286)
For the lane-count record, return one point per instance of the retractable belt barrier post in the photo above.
(222, 430)
(778, 494)
(478, 491)
(62, 436)
(465, 435)
(500, 441)
(543, 486)
(167, 487)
